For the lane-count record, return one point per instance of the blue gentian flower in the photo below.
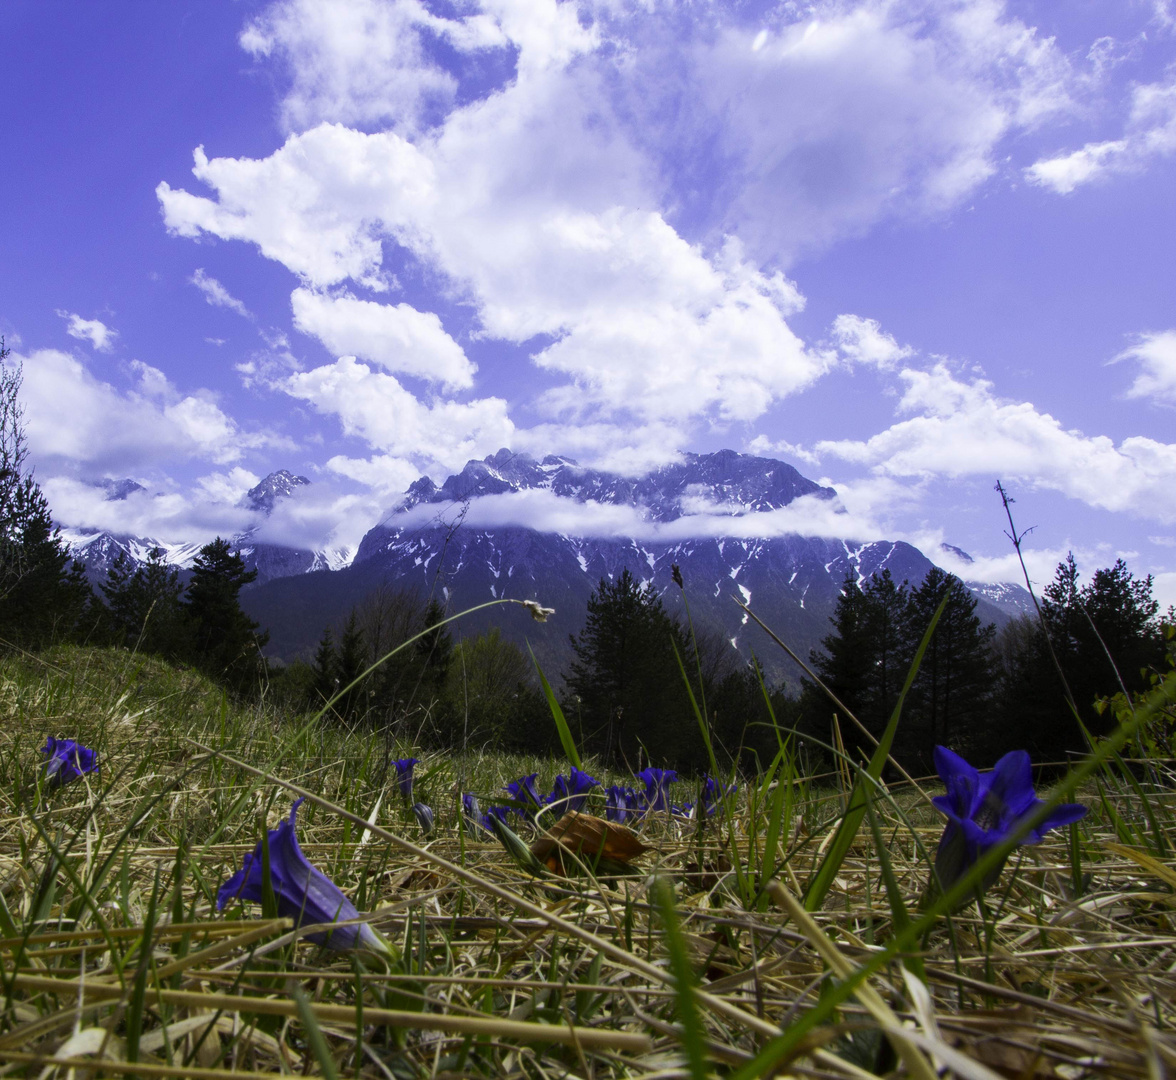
(570, 793)
(67, 760)
(657, 782)
(302, 892)
(424, 816)
(525, 793)
(470, 814)
(713, 794)
(404, 768)
(499, 812)
(983, 809)
(619, 803)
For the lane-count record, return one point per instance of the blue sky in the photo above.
(910, 248)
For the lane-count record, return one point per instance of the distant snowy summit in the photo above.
(510, 526)
(98, 550)
(278, 485)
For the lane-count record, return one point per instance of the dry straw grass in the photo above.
(115, 961)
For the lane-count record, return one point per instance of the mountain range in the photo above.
(511, 526)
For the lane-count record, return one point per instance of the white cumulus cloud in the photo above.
(627, 191)
(378, 409)
(863, 341)
(398, 337)
(1150, 133)
(363, 61)
(115, 432)
(962, 428)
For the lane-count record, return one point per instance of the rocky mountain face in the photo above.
(791, 582)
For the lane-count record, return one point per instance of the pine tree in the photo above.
(43, 594)
(350, 664)
(325, 682)
(844, 667)
(950, 701)
(626, 685)
(226, 642)
(436, 647)
(864, 661)
(143, 606)
(1102, 633)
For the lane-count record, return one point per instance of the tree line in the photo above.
(639, 679)
(46, 598)
(1036, 685)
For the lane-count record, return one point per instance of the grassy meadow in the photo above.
(704, 962)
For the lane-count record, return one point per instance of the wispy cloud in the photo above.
(962, 428)
(96, 332)
(217, 295)
(1150, 132)
(1156, 355)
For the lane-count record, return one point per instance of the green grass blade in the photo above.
(314, 1035)
(693, 1035)
(898, 909)
(856, 808)
(561, 724)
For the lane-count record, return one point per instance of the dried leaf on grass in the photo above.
(578, 840)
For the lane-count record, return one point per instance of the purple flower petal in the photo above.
(67, 760)
(983, 809)
(303, 893)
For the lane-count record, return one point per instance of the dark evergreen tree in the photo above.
(864, 661)
(43, 593)
(844, 667)
(625, 684)
(143, 606)
(325, 682)
(226, 642)
(436, 647)
(950, 702)
(351, 662)
(1103, 633)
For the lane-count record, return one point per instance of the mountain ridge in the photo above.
(464, 543)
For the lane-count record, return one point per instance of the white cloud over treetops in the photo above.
(378, 409)
(397, 337)
(624, 189)
(962, 428)
(551, 201)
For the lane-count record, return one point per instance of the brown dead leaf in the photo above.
(592, 839)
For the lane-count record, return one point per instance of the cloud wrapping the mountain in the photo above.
(173, 516)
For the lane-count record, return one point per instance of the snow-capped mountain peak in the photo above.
(278, 485)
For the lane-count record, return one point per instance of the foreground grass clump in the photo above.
(115, 960)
